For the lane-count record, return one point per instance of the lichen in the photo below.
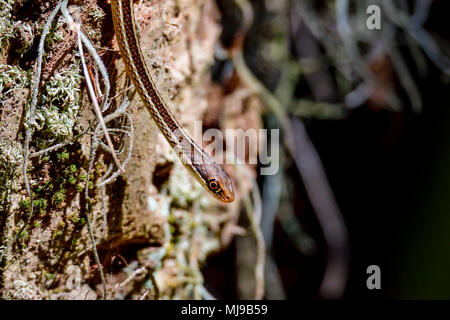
(12, 78)
(192, 237)
(96, 14)
(23, 290)
(182, 188)
(7, 24)
(58, 110)
(10, 159)
(59, 222)
(24, 35)
(55, 35)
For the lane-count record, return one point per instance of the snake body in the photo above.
(200, 164)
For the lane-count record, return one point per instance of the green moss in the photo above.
(72, 168)
(72, 180)
(79, 187)
(55, 35)
(74, 217)
(171, 219)
(25, 204)
(24, 235)
(58, 234)
(47, 186)
(63, 156)
(59, 196)
(41, 204)
(192, 224)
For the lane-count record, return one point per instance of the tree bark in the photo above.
(160, 224)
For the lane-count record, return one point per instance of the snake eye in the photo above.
(214, 185)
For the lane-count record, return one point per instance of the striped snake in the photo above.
(200, 164)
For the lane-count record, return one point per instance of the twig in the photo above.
(59, 145)
(95, 103)
(91, 163)
(113, 176)
(133, 275)
(93, 52)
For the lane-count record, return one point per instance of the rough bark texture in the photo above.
(161, 225)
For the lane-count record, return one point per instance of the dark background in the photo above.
(390, 173)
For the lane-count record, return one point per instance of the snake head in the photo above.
(211, 176)
(220, 186)
(204, 168)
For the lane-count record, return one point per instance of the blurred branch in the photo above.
(414, 27)
(327, 212)
(309, 165)
(346, 33)
(352, 49)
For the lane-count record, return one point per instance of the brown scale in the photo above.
(138, 62)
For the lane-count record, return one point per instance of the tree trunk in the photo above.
(160, 224)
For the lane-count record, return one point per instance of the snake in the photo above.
(199, 163)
